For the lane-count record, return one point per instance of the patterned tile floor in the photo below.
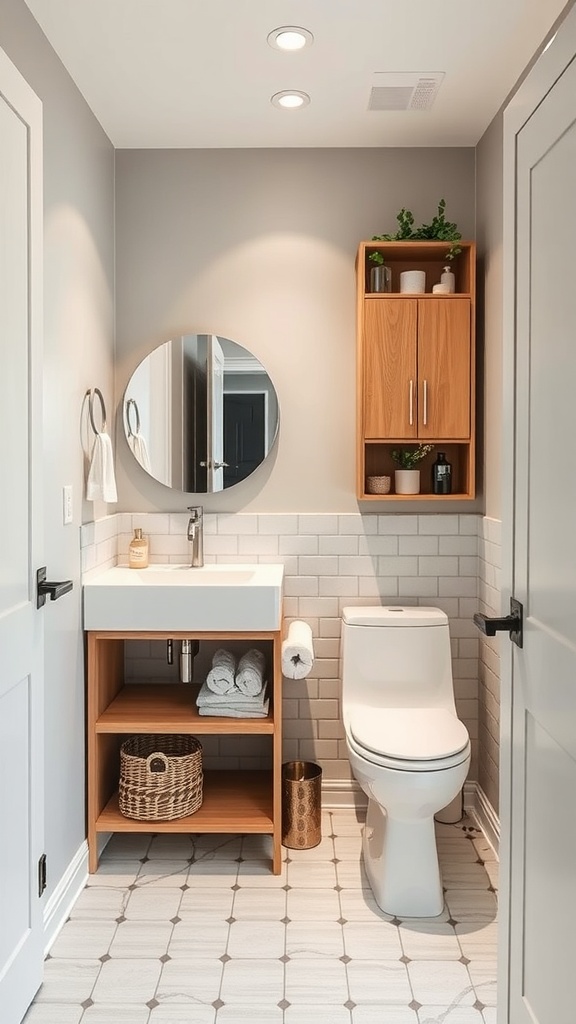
(196, 930)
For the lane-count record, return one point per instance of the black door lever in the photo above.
(48, 588)
(511, 624)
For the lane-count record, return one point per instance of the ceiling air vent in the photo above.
(392, 91)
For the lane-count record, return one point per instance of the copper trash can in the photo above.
(301, 804)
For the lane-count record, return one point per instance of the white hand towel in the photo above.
(250, 674)
(207, 698)
(220, 678)
(298, 651)
(139, 448)
(101, 483)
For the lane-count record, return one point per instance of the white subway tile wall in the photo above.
(330, 561)
(489, 594)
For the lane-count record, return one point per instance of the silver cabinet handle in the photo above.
(425, 417)
(220, 465)
(411, 403)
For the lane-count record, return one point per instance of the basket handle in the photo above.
(158, 756)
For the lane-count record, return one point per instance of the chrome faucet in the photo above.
(196, 535)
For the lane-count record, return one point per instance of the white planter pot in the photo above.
(407, 481)
(413, 282)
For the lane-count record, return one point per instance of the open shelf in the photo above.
(170, 708)
(233, 802)
(378, 462)
(383, 296)
(411, 255)
(236, 801)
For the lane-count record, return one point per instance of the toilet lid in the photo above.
(410, 734)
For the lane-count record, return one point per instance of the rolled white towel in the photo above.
(298, 651)
(220, 678)
(250, 673)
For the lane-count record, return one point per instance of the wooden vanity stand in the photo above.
(234, 801)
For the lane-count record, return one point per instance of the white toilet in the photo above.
(407, 748)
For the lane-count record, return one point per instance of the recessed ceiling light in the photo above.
(289, 37)
(290, 99)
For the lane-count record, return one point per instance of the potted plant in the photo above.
(438, 230)
(406, 477)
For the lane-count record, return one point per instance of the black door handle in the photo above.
(49, 588)
(512, 624)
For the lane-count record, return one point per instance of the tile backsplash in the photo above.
(330, 561)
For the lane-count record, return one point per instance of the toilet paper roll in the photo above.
(297, 651)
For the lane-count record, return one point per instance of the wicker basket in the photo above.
(160, 777)
(378, 484)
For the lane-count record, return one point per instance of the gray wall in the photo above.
(78, 354)
(489, 216)
(259, 246)
(489, 227)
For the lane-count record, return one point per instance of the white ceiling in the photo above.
(199, 73)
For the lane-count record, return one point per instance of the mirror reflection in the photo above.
(200, 413)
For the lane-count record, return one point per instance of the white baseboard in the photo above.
(61, 901)
(479, 807)
(342, 793)
(347, 793)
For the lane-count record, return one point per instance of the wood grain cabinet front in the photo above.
(235, 801)
(416, 369)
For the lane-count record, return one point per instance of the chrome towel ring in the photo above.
(91, 394)
(131, 405)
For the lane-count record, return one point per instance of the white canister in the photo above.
(413, 281)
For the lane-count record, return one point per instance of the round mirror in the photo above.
(200, 413)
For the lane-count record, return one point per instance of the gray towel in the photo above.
(220, 678)
(208, 699)
(225, 711)
(250, 673)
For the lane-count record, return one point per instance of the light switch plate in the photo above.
(68, 504)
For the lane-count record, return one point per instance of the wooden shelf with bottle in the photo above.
(428, 256)
(378, 462)
(416, 368)
(239, 801)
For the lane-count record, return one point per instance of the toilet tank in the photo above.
(396, 657)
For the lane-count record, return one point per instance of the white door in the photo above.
(215, 415)
(542, 880)
(21, 636)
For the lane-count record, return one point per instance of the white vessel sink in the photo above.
(237, 598)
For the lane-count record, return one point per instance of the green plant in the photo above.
(406, 458)
(439, 229)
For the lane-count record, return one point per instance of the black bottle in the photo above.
(441, 475)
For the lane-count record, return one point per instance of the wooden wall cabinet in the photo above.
(234, 801)
(416, 368)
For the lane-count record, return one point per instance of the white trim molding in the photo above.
(478, 806)
(342, 793)
(61, 901)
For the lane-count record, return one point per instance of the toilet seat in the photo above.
(409, 739)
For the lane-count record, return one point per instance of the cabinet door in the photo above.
(444, 373)
(390, 392)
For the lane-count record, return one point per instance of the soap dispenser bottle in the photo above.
(138, 551)
(441, 475)
(447, 277)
